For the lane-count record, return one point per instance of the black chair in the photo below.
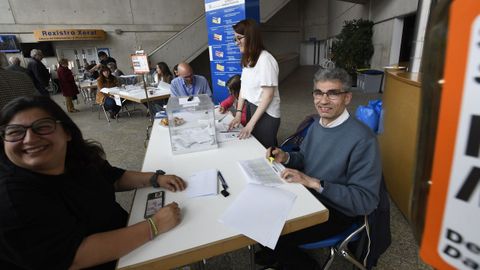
(292, 143)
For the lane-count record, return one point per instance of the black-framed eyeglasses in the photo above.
(15, 133)
(331, 94)
(237, 39)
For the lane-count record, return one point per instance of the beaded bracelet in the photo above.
(153, 228)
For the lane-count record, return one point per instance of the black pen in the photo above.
(224, 184)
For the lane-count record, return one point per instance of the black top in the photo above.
(107, 60)
(44, 218)
(41, 76)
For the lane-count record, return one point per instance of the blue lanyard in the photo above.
(185, 87)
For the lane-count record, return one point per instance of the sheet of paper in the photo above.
(185, 102)
(226, 136)
(118, 100)
(260, 171)
(202, 183)
(259, 212)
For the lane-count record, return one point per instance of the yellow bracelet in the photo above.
(153, 227)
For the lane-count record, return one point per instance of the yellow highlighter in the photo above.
(271, 158)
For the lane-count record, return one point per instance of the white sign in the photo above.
(459, 243)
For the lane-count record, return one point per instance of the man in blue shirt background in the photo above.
(188, 84)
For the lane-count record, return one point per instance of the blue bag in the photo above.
(368, 116)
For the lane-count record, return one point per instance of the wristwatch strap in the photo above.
(153, 178)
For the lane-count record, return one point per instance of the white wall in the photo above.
(384, 13)
(145, 23)
(282, 33)
(339, 12)
(315, 19)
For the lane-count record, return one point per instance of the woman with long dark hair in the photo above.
(259, 86)
(163, 73)
(107, 80)
(57, 194)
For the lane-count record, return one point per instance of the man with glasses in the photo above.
(339, 163)
(188, 84)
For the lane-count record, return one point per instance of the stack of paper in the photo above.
(202, 183)
(260, 212)
(260, 171)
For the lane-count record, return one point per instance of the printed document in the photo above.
(260, 212)
(202, 183)
(260, 171)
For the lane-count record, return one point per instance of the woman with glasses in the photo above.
(57, 194)
(259, 88)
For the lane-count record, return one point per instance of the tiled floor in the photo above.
(123, 141)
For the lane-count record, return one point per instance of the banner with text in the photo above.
(68, 34)
(225, 56)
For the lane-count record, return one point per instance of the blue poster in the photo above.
(225, 56)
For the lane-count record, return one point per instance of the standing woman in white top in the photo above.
(259, 86)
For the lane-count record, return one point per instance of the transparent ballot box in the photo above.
(191, 122)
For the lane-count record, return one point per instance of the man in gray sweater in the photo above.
(338, 161)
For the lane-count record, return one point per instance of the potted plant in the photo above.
(353, 47)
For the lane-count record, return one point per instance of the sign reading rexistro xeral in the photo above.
(68, 34)
(451, 237)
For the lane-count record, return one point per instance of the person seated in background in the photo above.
(338, 162)
(104, 60)
(90, 75)
(67, 84)
(233, 85)
(107, 80)
(57, 194)
(175, 71)
(114, 69)
(163, 73)
(188, 84)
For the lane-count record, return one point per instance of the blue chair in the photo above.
(338, 244)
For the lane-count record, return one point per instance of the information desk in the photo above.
(200, 235)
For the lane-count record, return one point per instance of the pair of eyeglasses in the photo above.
(331, 94)
(237, 39)
(15, 133)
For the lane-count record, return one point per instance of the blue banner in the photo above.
(225, 56)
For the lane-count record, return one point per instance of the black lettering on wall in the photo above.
(469, 185)
(473, 143)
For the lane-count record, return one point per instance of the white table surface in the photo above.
(137, 93)
(200, 229)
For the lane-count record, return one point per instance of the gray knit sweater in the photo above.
(347, 159)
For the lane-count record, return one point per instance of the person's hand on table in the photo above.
(235, 122)
(167, 217)
(246, 131)
(295, 176)
(171, 182)
(222, 110)
(277, 153)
